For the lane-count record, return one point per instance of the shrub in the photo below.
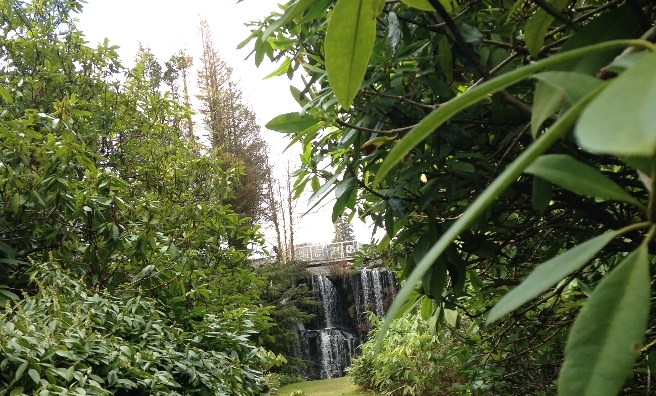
(67, 339)
(412, 360)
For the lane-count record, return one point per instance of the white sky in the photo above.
(168, 26)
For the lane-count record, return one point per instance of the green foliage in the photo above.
(289, 302)
(434, 146)
(411, 360)
(100, 172)
(69, 339)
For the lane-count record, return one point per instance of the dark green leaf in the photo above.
(607, 336)
(536, 27)
(541, 194)
(7, 293)
(548, 274)
(568, 173)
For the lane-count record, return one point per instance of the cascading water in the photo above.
(329, 299)
(373, 286)
(331, 343)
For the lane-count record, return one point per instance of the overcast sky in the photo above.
(166, 27)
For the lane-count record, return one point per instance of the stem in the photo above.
(633, 227)
(650, 235)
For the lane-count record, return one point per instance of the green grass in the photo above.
(330, 387)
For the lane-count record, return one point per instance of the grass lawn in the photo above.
(329, 387)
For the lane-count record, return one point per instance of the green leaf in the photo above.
(298, 95)
(556, 89)
(631, 99)
(536, 27)
(606, 338)
(503, 181)
(115, 232)
(34, 375)
(20, 371)
(541, 194)
(445, 58)
(15, 201)
(426, 308)
(4, 94)
(290, 13)
(291, 122)
(548, 274)
(570, 174)
(442, 114)
(282, 69)
(7, 293)
(17, 391)
(349, 41)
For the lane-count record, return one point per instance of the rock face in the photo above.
(341, 326)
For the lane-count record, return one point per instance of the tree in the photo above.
(447, 123)
(343, 230)
(232, 128)
(281, 213)
(107, 209)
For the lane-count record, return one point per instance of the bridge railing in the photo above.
(327, 252)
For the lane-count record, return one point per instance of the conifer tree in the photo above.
(232, 128)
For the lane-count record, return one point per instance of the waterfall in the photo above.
(373, 287)
(330, 342)
(337, 348)
(329, 298)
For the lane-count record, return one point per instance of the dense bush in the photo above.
(69, 339)
(413, 360)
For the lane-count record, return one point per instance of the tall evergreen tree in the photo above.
(232, 128)
(343, 230)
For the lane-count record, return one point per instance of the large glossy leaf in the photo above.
(291, 122)
(556, 89)
(606, 338)
(500, 184)
(568, 173)
(348, 45)
(537, 26)
(631, 100)
(548, 274)
(472, 96)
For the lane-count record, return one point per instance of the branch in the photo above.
(556, 14)
(402, 99)
(380, 132)
(473, 57)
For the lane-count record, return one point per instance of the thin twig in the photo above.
(390, 132)
(403, 99)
